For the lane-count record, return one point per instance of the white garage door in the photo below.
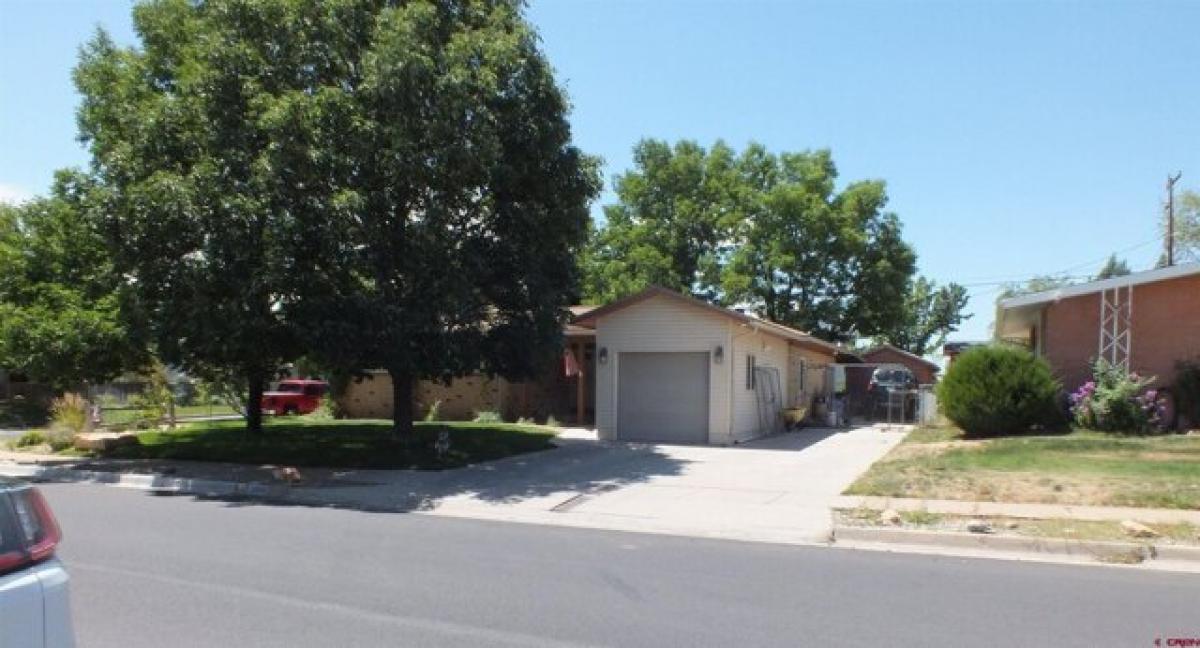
(663, 397)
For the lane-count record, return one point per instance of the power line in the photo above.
(1061, 274)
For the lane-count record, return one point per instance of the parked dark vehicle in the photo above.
(893, 387)
(35, 608)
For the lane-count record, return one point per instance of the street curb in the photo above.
(1046, 549)
(149, 481)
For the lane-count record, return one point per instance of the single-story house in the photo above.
(677, 369)
(562, 389)
(655, 366)
(1145, 322)
(952, 350)
(924, 370)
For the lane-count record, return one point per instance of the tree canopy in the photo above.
(1187, 226)
(1035, 284)
(448, 207)
(768, 231)
(1113, 267)
(383, 184)
(931, 312)
(61, 317)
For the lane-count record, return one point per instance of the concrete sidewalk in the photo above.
(1019, 510)
(777, 489)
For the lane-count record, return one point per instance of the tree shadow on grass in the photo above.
(570, 467)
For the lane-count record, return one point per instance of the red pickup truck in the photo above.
(294, 396)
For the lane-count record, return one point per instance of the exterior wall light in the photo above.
(719, 354)
(602, 357)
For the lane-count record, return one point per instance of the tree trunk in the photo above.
(254, 414)
(402, 403)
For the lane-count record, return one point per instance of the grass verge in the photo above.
(1051, 528)
(1086, 468)
(338, 444)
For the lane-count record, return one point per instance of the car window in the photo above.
(313, 390)
(291, 388)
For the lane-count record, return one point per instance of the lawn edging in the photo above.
(1150, 555)
(1019, 509)
(148, 481)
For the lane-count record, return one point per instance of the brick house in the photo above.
(1146, 322)
(925, 371)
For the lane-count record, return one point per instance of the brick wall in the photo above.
(1165, 329)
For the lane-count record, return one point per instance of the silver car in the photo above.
(35, 609)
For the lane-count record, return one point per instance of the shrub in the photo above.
(23, 412)
(434, 413)
(552, 422)
(156, 398)
(70, 413)
(327, 410)
(999, 390)
(1116, 401)
(1187, 391)
(488, 416)
(30, 438)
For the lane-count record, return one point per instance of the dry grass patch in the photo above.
(1082, 468)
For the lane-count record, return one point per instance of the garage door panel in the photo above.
(663, 397)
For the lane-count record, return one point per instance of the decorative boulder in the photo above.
(1138, 530)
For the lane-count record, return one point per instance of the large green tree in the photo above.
(768, 231)
(673, 214)
(180, 133)
(391, 183)
(931, 312)
(61, 316)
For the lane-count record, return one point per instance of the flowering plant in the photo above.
(1117, 401)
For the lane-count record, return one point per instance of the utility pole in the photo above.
(1171, 180)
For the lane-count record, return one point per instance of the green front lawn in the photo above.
(338, 444)
(129, 415)
(1088, 468)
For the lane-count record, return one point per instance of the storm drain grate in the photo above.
(570, 503)
(579, 498)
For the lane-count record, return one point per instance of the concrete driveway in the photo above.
(777, 489)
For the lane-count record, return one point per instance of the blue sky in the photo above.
(1016, 138)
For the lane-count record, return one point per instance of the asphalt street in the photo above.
(153, 571)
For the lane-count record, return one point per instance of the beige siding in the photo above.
(663, 325)
(769, 351)
(813, 363)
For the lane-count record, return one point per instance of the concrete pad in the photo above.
(778, 489)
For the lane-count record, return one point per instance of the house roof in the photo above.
(574, 330)
(954, 348)
(1134, 279)
(887, 347)
(589, 318)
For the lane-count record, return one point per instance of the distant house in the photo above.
(1146, 322)
(952, 350)
(925, 371)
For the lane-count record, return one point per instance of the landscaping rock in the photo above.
(1138, 530)
(890, 516)
(978, 526)
(288, 474)
(1011, 524)
(104, 441)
